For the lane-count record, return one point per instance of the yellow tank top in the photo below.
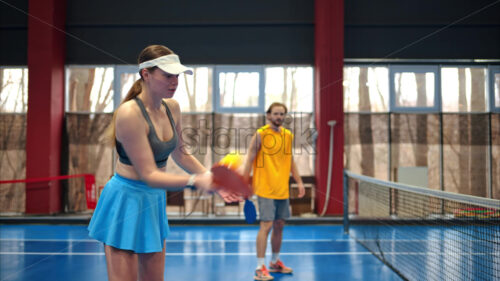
(272, 164)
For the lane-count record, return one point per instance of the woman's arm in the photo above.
(181, 157)
(187, 161)
(131, 131)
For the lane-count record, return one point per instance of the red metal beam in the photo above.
(46, 54)
(329, 61)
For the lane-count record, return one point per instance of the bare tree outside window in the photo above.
(14, 90)
(410, 85)
(90, 89)
(239, 89)
(194, 92)
(463, 89)
(376, 86)
(290, 85)
(13, 108)
(90, 96)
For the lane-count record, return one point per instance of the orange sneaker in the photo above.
(262, 274)
(279, 267)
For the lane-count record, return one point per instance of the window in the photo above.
(366, 89)
(125, 77)
(221, 89)
(239, 89)
(464, 89)
(421, 88)
(414, 88)
(194, 92)
(14, 91)
(292, 86)
(494, 85)
(89, 89)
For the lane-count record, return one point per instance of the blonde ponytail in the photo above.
(134, 91)
(110, 134)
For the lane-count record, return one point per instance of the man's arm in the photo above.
(252, 152)
(298, 179)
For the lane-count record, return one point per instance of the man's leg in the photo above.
(267, 210)
(277, 235)
(266, 216)
(265, 227)
(261, 272)
(282, 213)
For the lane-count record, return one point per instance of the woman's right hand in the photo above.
(229, 197)
(204, 181)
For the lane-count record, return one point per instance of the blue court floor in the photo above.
(60, 252)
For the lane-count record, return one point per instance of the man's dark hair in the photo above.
(276, 104)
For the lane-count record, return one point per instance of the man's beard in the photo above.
(277, 123)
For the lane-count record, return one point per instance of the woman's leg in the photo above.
(152, 266)
(121, 264)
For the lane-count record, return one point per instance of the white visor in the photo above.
(169, 63)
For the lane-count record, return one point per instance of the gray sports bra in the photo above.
(161, 149)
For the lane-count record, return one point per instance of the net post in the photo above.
(346, 203)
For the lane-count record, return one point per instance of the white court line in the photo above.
(244, 240)
(422, 240)
(47, 240)
(177, 240)
(191, 254)
(253, 254)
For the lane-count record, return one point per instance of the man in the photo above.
(270, 156)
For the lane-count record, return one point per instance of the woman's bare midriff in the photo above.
(126, 171)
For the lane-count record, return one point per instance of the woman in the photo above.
(130, 218)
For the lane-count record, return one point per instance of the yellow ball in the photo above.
(232, 161)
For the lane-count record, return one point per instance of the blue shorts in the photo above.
(273, 209)
(130, 216)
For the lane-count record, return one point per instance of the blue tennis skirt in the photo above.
(130, 215)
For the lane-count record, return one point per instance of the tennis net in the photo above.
(424, 234)
(81, 186)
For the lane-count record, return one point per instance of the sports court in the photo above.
(193, 253)
(394, 107)
(433, 236)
